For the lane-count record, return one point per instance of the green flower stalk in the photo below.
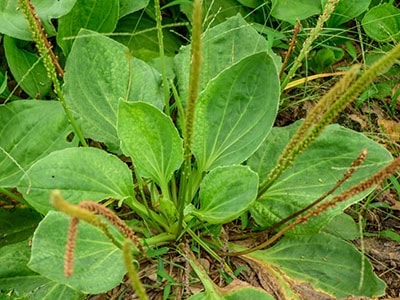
(160, 38)
(88, 211)
(49, 60)
(77, 213)
(58, 201)
(195, 68)
(132, 272)
(194, 83)
(301, 139)
(315, 32)
(355, 190)
(364, 185)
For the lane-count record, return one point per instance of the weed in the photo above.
(187, 148)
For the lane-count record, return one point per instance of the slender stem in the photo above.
(132, 271)
(196, 238)
(162, 55)
(292, 43)
(147, 213)
(70, 117)
(209, 285)
(328, 10)
(179, 107)
(12, 195)
(194, 79)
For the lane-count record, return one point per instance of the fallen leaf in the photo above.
(391, 128)
(396, 205)
(359, 120)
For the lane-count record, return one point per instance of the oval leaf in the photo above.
(13, 22)
(141, 42)
(235, 112)
(127, 6)
(327, 262)
(17, 224)
(111, 73)
(226, 193)
(382, 23)
(99, 16)
(17, 281)
(150, 138)
(81, 174)
(294, 10)
(313, 173)
(345, 10)
(222, 46)
(27, 69)
(40, 126)
(238, 290)
(98, 264)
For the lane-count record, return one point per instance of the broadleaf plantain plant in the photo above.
(185, 173)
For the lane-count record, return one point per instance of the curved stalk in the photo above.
(160, 38)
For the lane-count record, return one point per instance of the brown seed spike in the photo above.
(113, 218)
(69, 250)
(44, 37)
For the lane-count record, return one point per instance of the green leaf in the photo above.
(235, 112)
(389, 234)
(293, 10)
(238, 290)
(382, 23)
(3, 83)
(19, 282)
(17, 224)
(81, 174)
(222, 46)
(127, 6)
(29, 130)
(345, 10)
(111, 73)
(13, 268)
(98, 264)
(217, 11)
(142, 41)
(313, 173)
(96, 15)
(343, 226)
(252, 3)
(27, 69)
(328, 263)
(13, 22)
(226, 193)
(150, 138)
(325, 58)
(214, 294)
